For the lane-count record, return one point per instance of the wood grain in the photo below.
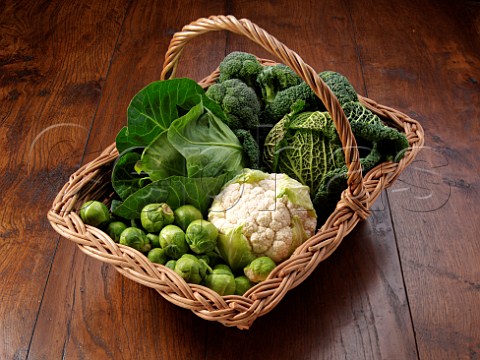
(139, 322)
(50, 85)
(403, 285)
(434, 73)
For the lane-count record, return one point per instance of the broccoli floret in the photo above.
(238, 101)
(240, 65)
(285, 99)
(251, 150)
(273, 79)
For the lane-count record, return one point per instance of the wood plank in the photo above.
(49, 90)
(425, 61)
(91, 309)
(354, 305)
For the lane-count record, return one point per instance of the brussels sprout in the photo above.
(94, 213)
(201, 236)
(155, 216)
(136, 239)
(171, 264)
(221, 280)
(242, 284)
(172, 239)
(191, 269)
(154, 240)
(115, 229)
(223, 269)
(185, 214)
(157, 255)
(259, 269)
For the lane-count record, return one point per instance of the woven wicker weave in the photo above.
(92, 180)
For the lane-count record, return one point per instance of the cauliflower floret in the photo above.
(278, 251)
(259, 217)
(249, 228)
(264, 218)
(262, 240)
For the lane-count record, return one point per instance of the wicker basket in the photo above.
(92, 181)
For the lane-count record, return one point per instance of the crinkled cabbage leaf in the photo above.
(306, 146)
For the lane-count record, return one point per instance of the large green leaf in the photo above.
(161, 160)
(208, 145)
(176, 191)
(125, 179)
(152, 110)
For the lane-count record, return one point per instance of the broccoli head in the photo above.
(251, 150)
(238, 101)
(285, 99)
(240, 65)
(273, 79)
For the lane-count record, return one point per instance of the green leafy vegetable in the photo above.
(160, 159)
(306, 147)
(309, 149)
(125, 179)
(187, 150)
(208, 145)
(152, 110)
(235, 249)
(340, 86)
(175, 191)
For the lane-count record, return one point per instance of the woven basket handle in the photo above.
(355, 197)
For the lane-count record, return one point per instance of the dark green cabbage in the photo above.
(306, 147)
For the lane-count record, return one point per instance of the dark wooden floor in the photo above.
(404, 285)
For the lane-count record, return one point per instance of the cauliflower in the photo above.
(261, 214)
